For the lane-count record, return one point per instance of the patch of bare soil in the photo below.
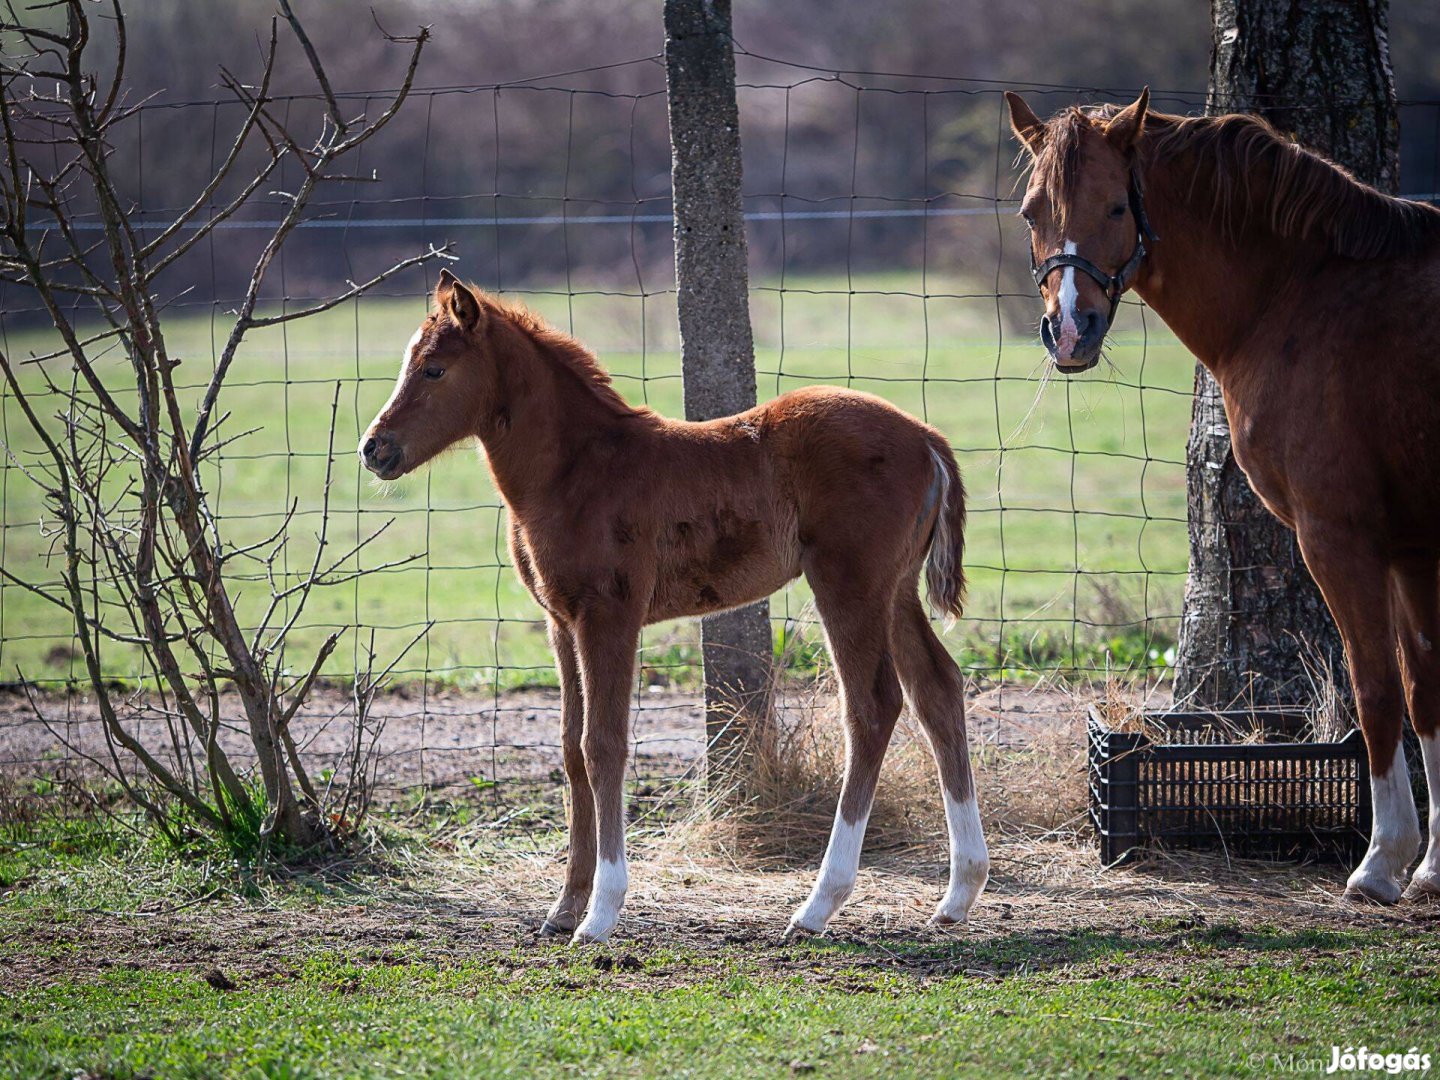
(443, 740)
(713, 892)
(1049, 907)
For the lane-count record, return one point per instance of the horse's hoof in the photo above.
(941, 921)
(549, 930)
(1371, 889)
(1424, 888)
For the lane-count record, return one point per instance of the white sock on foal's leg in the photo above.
(969, 861)
(1394, 835)
(837, 875)
(607, 896)
(1426, 881)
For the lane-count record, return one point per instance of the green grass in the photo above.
(488, 1019)
(119, 995)
(1087, 445)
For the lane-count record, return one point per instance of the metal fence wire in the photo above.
(886, 257)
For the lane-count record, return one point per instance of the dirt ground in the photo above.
(459, 895)
(447, 739)
(1049, 906)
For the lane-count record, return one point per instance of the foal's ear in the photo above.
(1126, 125)
(1027, 126)
(454, 297)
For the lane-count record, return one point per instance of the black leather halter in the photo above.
(1113, 284)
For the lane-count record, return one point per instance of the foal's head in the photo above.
(1086, 221)
(445, 379)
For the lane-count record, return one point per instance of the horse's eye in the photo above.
(1118, 210)
(1029, 221)
(433, 372)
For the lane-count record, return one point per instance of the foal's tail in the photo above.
(945, 569)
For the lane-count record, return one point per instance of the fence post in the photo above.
(713, 296)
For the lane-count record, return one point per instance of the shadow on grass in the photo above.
(1033, 952)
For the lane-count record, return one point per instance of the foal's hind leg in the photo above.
(580, 863)
(1356, 584)
(935, 691)
(1417, 624)
(856, 617)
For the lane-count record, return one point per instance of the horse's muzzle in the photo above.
(1085, 353)
(383, 455)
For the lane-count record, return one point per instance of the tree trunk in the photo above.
(718, 351)
(1255, 628)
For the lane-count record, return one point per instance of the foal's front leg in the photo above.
(605, 642)
(580, 864)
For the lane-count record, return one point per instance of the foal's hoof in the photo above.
(549, 930)
(798, 931)
(586, 937)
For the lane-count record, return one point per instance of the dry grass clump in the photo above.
(781, 807)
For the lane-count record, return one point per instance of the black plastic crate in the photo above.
(1276, 798)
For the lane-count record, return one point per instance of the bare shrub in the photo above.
(125, 464)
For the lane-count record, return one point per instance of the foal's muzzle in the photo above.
(1092, 327)
(383, 455)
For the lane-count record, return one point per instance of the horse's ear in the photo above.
(1125, 127)
(1027, 126)
(454, 297)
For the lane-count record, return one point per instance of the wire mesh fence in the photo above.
(887, 260)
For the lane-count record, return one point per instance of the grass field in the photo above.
(119, 962)
(1082, 477)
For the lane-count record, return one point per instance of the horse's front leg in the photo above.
(580, 863)
(606, 639)
(1417, 623)
(1355, 581)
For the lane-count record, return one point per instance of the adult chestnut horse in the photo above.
(620, 517)
(1315, 302)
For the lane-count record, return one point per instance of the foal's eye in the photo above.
(1118, 210)
(433, 372)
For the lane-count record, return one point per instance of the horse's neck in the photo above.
(543, 410)
(1212, 290)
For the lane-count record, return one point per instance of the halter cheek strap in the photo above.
(1113, 284)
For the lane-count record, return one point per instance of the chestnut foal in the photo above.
(620, 517)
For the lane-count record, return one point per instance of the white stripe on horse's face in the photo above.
(1068, 296)
(1394, 836)
(969, 861)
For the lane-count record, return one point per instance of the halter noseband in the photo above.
(1113, 284)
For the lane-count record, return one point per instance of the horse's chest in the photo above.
(1260, 443)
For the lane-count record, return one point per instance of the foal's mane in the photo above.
(1258, 176)
(565, 350)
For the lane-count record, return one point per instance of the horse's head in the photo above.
(440, 392)
(1087, 221)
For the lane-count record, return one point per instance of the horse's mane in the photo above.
(561, 347)
(1259, 176)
